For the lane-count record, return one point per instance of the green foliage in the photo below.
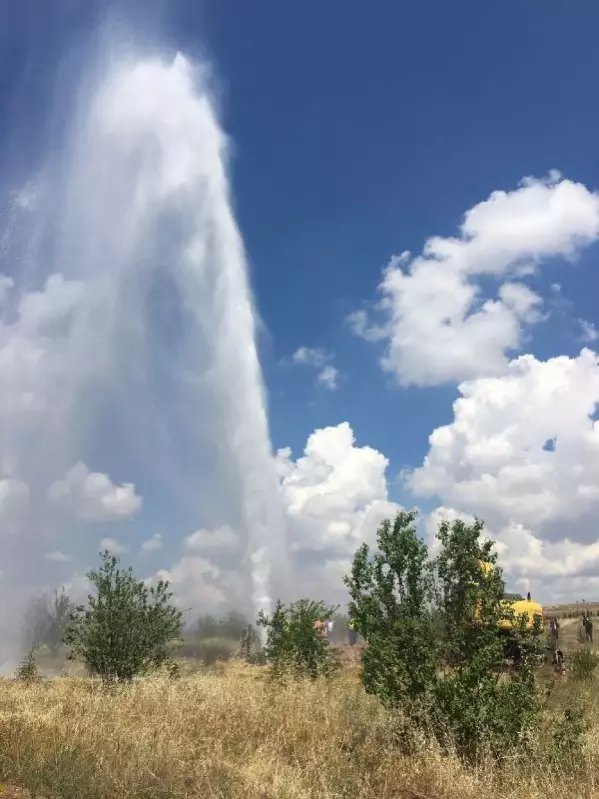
(476, 706)
(126, 628)
(27, 670)
(434, 652)
(583, 664)
(567, 738)
(293, 646)
(390, 608)
(173, 669)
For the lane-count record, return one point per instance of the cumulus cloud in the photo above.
(59, 557)
(152, 544)
(522, 452)
(113, 546)
(589, 332)
(92, 497)
(221, 538)
(197, 583)
(335, 495)
(320, 359)
(329, 377)
(438, 326)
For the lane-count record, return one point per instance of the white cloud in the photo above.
(221, 538)
(59, 557)
(438, 326)
(92, 497)
(39, 309)
(311, 356)
(79, 587)
(360, 324)
(335, 496)
(196, 583)
(328, 375)
(152, 544)
(522, 452)
(589, 332)
(113, 546)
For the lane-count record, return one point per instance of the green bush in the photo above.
(434, 654)
(27, 670)
(293, 646)
(583, 664)
(126, 629)
(567, 739)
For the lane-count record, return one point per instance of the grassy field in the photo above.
(229, 735)
(226, 733)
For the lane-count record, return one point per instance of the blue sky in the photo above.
(362, 131)
(359, 132)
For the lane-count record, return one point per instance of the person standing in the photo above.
(353, 633)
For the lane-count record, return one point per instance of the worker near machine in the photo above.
(353, 633)
(588, 629)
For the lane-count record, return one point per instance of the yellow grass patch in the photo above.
(235, 737)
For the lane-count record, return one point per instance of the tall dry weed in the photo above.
(235, 736)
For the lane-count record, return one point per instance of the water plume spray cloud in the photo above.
(132, 310)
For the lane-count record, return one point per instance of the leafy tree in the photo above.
(126, 628)
(477, 704)
(433, 646)
(293, 645)
(390, 606)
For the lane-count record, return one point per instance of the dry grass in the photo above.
(232, 736)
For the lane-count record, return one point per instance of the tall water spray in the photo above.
(129, 307)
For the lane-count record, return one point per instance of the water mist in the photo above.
(129, 308)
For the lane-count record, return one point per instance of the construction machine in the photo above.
(525, 612)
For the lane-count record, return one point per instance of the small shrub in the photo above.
(127, 627)
(173, 669)
(28, 671)
(583, 664)
(293, 645)
(567, 738)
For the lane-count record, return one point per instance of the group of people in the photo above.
(324, 628)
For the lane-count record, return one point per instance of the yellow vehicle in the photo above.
(520, 607)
